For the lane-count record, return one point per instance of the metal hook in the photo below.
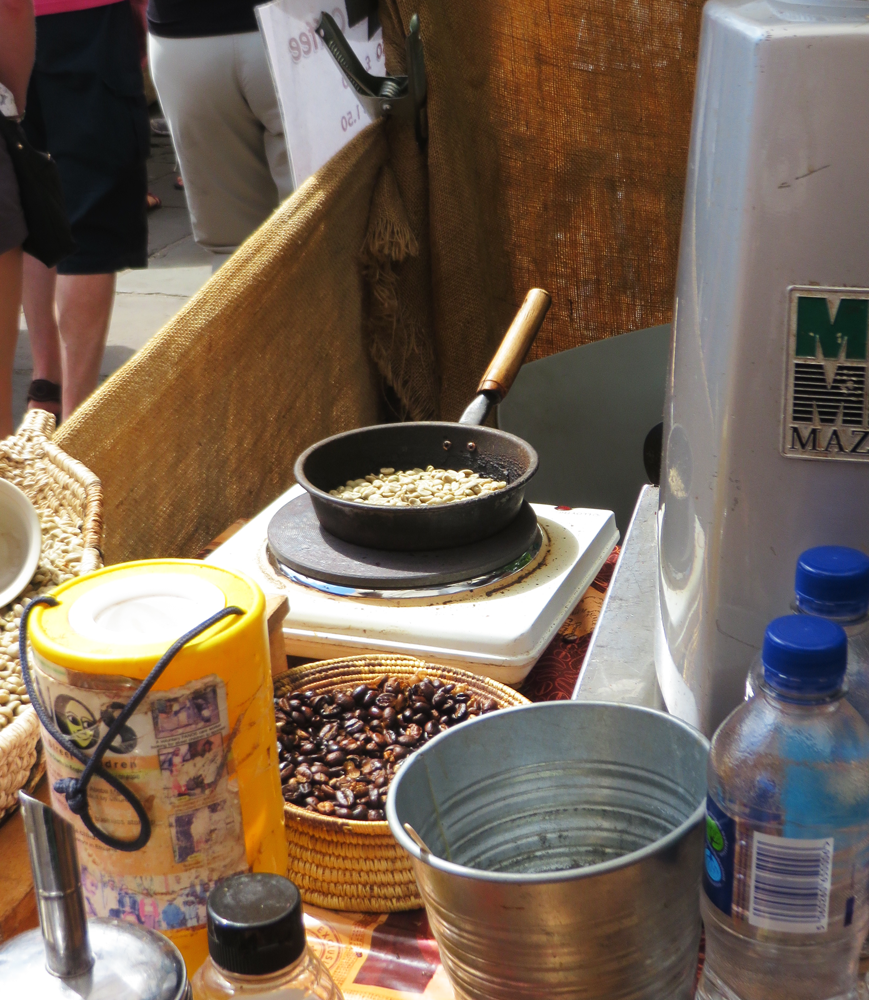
(404, 97)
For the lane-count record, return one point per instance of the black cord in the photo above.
(75, 789)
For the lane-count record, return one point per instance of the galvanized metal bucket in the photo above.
(567, 842)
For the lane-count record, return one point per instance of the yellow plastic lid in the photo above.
(121, 619)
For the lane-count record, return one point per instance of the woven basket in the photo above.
(65, 492)
(349, 864)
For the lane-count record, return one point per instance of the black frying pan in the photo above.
(464, 445)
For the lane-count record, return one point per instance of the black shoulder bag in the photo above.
(49, 237)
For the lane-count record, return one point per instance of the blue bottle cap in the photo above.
(804, 655)
(833, 581)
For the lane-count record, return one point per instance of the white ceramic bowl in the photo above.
(20, 541)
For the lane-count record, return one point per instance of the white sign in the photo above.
(319, 108)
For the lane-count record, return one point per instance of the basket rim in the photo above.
(6, 733)
(333, 825)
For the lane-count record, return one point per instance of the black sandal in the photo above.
(44, 391)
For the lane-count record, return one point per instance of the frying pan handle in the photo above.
(505, 366)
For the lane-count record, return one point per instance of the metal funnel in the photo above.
(72, 958)
(59, 896)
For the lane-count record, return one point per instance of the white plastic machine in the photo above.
(766, 431)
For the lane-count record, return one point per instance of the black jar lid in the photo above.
(255, 924)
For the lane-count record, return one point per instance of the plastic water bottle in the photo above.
(832, 582)
(784, 898)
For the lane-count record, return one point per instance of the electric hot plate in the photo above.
(297, 541)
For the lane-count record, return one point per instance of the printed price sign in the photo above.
(319, 108)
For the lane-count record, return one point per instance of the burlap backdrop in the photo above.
(556, 158)
(559, 138)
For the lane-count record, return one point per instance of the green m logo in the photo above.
(822, 336)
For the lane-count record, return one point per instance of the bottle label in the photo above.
(775, 883)
(790, 883)
(718, 861)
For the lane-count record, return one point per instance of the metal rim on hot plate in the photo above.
(415, 593)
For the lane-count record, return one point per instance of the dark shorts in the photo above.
(86, 107)
(13, 230)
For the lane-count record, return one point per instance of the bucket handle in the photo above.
(76, 789)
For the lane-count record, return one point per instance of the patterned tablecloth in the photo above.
(394, 957)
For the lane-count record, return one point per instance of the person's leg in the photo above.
(84, 310)
(258, 88)
(13, 232)
(10, 303)
(41, 315)
(218, 139)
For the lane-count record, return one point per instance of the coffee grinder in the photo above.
(766, 431)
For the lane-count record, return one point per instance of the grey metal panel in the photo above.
(620, 663)
(587, 412)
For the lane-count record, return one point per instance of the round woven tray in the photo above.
(68, 500)
(350, 864)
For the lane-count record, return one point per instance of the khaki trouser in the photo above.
(219, 99)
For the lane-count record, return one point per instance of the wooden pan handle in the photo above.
(504, 367)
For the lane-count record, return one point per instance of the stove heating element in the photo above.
(492, 607)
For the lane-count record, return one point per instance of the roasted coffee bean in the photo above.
(339, 752)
